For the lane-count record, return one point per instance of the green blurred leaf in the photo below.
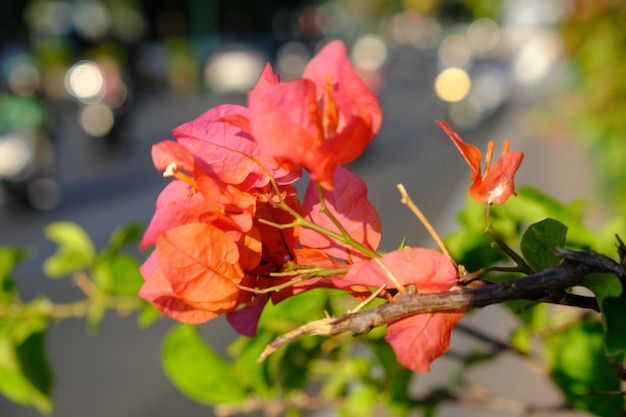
(521, 340)
(197, 370)
(118, 273)
(473, 249)
(293, 311)
(397, 376)
(124, 235)
(290, 365)
(12, 383)
(578, 366)
(25, 376)
(76, 250)
(31, 354)
(531, 206)
(10, 257)
(126, 278)
(250, 373)
(612, 302)
(533, 318)
(539, 241)
(361, 401)
(148, 315)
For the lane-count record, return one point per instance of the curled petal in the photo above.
(470, 152)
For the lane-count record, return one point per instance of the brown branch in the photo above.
(541, 286)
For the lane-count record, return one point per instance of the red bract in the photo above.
(227, 149)
(321, 120)
(497, 183)
(348, 204)
(221, 178)
(195, 196)
(193, 273)
(419, 339)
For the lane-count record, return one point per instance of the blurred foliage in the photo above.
(576, 347)
(593, 103)
(110, 280)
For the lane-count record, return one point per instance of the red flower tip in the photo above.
(497, 183)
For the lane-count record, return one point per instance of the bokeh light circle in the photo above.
(452, 84)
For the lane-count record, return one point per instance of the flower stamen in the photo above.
(172, 171)
(330, 113)
(490, 148)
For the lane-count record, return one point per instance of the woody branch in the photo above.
(549, 286)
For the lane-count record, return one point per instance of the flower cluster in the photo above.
(229, 220)
(230, 229)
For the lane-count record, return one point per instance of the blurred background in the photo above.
(87, 86)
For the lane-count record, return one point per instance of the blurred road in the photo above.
(117, 372)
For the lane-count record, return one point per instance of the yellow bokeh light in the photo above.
(452, 84)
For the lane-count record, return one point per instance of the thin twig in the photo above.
(406, 200)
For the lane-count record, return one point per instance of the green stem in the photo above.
(77, 309)
(301, 221)
(311, 272)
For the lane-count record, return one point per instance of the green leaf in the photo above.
(31, 354)
(539, 241)
(118, 273)
(612, 302)
(9, 258)
(125, 275)
(76, 250)
(532, 205)
(13, 385)
(197, 370)
(25, 375)
(578, 366)
(124, 235)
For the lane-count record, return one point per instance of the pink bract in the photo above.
(322, 120)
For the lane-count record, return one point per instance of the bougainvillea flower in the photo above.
(419, 339)
(348, 203)
(195, 196)
(496, 184)
(193, 273)
(321, 120)
(228, 151)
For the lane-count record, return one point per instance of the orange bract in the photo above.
(497, 183)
